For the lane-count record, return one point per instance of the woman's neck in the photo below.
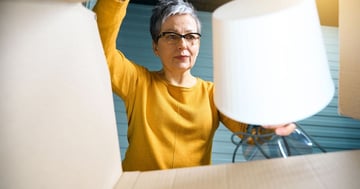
(185, 79)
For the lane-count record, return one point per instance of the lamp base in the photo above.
(259, 143)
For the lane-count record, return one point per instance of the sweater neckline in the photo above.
(181, 88)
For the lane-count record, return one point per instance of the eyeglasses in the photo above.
(173, 38)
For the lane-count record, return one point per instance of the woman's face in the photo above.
(178, 54)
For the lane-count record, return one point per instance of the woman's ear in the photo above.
(155, 49)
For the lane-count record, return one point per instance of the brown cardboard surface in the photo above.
(330, 170)
(349, 80)
(127, 180)
(57, 122)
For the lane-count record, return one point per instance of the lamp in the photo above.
(270, 64)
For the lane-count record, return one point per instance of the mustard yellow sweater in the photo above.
(169, 126)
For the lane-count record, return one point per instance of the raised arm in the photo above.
(110, 14)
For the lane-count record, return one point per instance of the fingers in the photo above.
(282, 130)
(286, 130)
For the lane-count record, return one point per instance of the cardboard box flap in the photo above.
(349, 80)
(58, 128)
(127, 180)
(330, 170)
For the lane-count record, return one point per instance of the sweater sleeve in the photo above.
(233, 125)
(109, 15)
(236, 126)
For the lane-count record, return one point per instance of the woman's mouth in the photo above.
(181, 57)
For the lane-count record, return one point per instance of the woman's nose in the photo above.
(182, 43)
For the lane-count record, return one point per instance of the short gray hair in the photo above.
(166, 8)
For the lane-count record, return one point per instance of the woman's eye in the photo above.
(190, 36)
(172, 37)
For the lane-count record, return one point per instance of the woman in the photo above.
(171, 114)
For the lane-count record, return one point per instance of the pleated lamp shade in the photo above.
(270, 64)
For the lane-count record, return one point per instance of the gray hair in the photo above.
(166, 8)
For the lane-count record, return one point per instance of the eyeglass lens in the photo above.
(174, 38)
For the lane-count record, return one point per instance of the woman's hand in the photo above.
(282, 130)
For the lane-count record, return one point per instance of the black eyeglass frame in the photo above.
(162, 34)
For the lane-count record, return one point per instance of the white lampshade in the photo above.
(270, 64)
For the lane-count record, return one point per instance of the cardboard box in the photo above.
(57, 122)
(349, 80)
(331, 170)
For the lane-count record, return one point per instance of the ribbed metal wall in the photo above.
(330, 130)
